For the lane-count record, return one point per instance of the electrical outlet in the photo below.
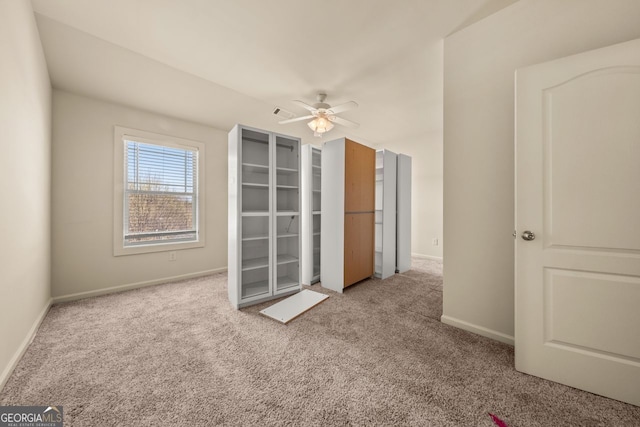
(434, 242)
(173, 256)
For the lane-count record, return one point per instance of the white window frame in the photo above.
(121, 134)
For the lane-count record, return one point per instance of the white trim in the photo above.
(480, 330)
(121, 133)
(421, 256)
(28, 339)
(130, 286)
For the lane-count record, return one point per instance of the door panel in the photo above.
(593, 124)
(360, 177)
(577, 290)
(587, 296)
(358, 247)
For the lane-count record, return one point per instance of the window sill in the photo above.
(155, 247)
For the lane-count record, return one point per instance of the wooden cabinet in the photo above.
(358, 237)
(263, 216)
(348, 213)
(359, 177)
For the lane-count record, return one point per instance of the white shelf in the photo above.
(255, 263)
(255, 185)
(287, 187)
(255, 213)
(286, 282)
(286, 171)
(251, 167)
(288, 213)
(285, 235)
(286, 259)
(257, 237)
(254, 289)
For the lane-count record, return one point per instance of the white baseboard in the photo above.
(130, 286)
(480, 330)
(4, 377)
(437, 258)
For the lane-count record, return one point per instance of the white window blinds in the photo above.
(161, 193)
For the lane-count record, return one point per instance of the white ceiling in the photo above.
(220, 62)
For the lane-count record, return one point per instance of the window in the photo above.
(158, 187)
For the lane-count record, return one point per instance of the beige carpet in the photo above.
(179, 355)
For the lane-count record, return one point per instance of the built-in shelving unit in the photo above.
(385, 222)
(311, 213)
(264, 215)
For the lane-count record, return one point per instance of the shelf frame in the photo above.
(262, 168)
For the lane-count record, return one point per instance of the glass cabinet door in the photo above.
(287, 202)
(255, 224)
(316, 178)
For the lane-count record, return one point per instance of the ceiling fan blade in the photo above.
(296, 119)
(344, 122)
(343, 107)
(305, 106)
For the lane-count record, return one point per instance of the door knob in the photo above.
(528, 236)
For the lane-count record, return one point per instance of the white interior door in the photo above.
(577, 289)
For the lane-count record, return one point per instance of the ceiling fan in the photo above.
(324, 115)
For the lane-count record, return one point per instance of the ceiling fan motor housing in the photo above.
(321, 105)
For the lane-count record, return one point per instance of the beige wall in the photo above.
(82, 193)
(479, 66)
(25, 167)
(426, 191)
(427, 174)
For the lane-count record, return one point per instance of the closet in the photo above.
(264, 216)
(348, 213)
(385, 224)
(311, 213)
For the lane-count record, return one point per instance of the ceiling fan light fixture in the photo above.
(323, 116)
(320, 125)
